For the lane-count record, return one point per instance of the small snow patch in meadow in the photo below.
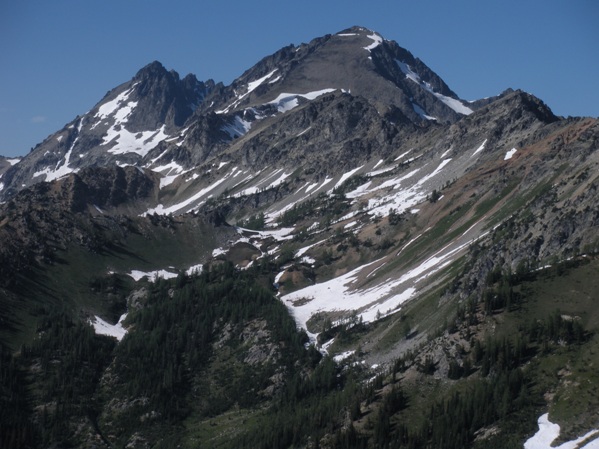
(509, 154)
(112, 330)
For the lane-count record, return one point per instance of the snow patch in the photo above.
(422, 113)
(452, 103)
(64, 169)
(151, 275)
(113, 106)
(251, 86)
(239, 127)
(509, 154)
(549, 432)
(195, 269)
(162, 210)
(344, 355)
(112, 330)
(286, 101)
(345, 176)
(377, 40)
(479, 149)
(141, 143)
(402, 155)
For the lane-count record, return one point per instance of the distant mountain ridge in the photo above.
(157, 120)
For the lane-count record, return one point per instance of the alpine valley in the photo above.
(334, 251)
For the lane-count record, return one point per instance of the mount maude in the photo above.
(333, 251)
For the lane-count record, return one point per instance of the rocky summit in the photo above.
(333, 251)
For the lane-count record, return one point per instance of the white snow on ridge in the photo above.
(549, 432)
(251, 86)
(345, 176)
(261, 185)
(254, 84)
(407, 70)
(378, 40)
(337, 295)
(479, 149)
(64, 169)
(435, 172)
(343, 294)
(140, 143)
(509, 154)
(112, 330)
(402, 155)
(123, 141)
(199, 195)
(112, 106)
(422, 113)
(287, 101)
(239, 127)
(454, 104)
(13, 161)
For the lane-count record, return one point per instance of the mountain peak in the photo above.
(356, 60)
(357, 29)
(154, 67)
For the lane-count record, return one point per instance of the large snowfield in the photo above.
(549, 432)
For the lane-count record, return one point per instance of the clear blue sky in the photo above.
(58, 58)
